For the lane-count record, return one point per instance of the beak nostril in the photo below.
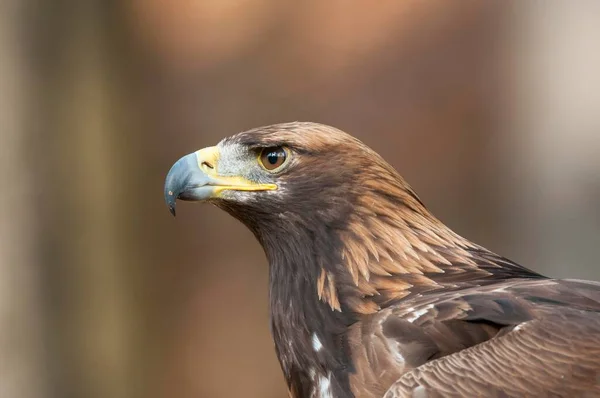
(206, 164)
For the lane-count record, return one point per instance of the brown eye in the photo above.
(273, 158)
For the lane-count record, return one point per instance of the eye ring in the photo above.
(273, 159)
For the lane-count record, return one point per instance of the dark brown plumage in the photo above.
(371, 295)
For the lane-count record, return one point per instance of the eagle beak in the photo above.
(195, 178)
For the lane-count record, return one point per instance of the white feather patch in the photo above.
(316, 343)
(416, 314)
(325, 387)
(519, 326)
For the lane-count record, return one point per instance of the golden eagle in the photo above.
(371, 295)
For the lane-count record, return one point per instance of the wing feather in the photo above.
(556, 356)
(514, 338)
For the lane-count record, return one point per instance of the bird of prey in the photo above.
(371, 295)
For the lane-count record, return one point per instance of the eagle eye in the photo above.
(273, 158)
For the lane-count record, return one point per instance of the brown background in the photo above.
(489, 109)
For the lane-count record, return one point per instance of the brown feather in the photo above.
(557, 356)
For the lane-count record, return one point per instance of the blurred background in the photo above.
(491, 110)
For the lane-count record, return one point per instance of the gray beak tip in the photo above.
(171, 200)
(185, 181)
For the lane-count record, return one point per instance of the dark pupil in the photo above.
(273, 157)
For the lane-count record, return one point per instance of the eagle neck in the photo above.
(309, 335)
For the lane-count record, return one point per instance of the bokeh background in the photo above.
(490, 109)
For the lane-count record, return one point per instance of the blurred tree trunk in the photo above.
(21, 329)
(86, 249)
(556, 136)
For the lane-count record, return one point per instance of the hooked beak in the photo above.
(195, 178)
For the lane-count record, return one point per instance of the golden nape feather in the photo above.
(371, 295)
